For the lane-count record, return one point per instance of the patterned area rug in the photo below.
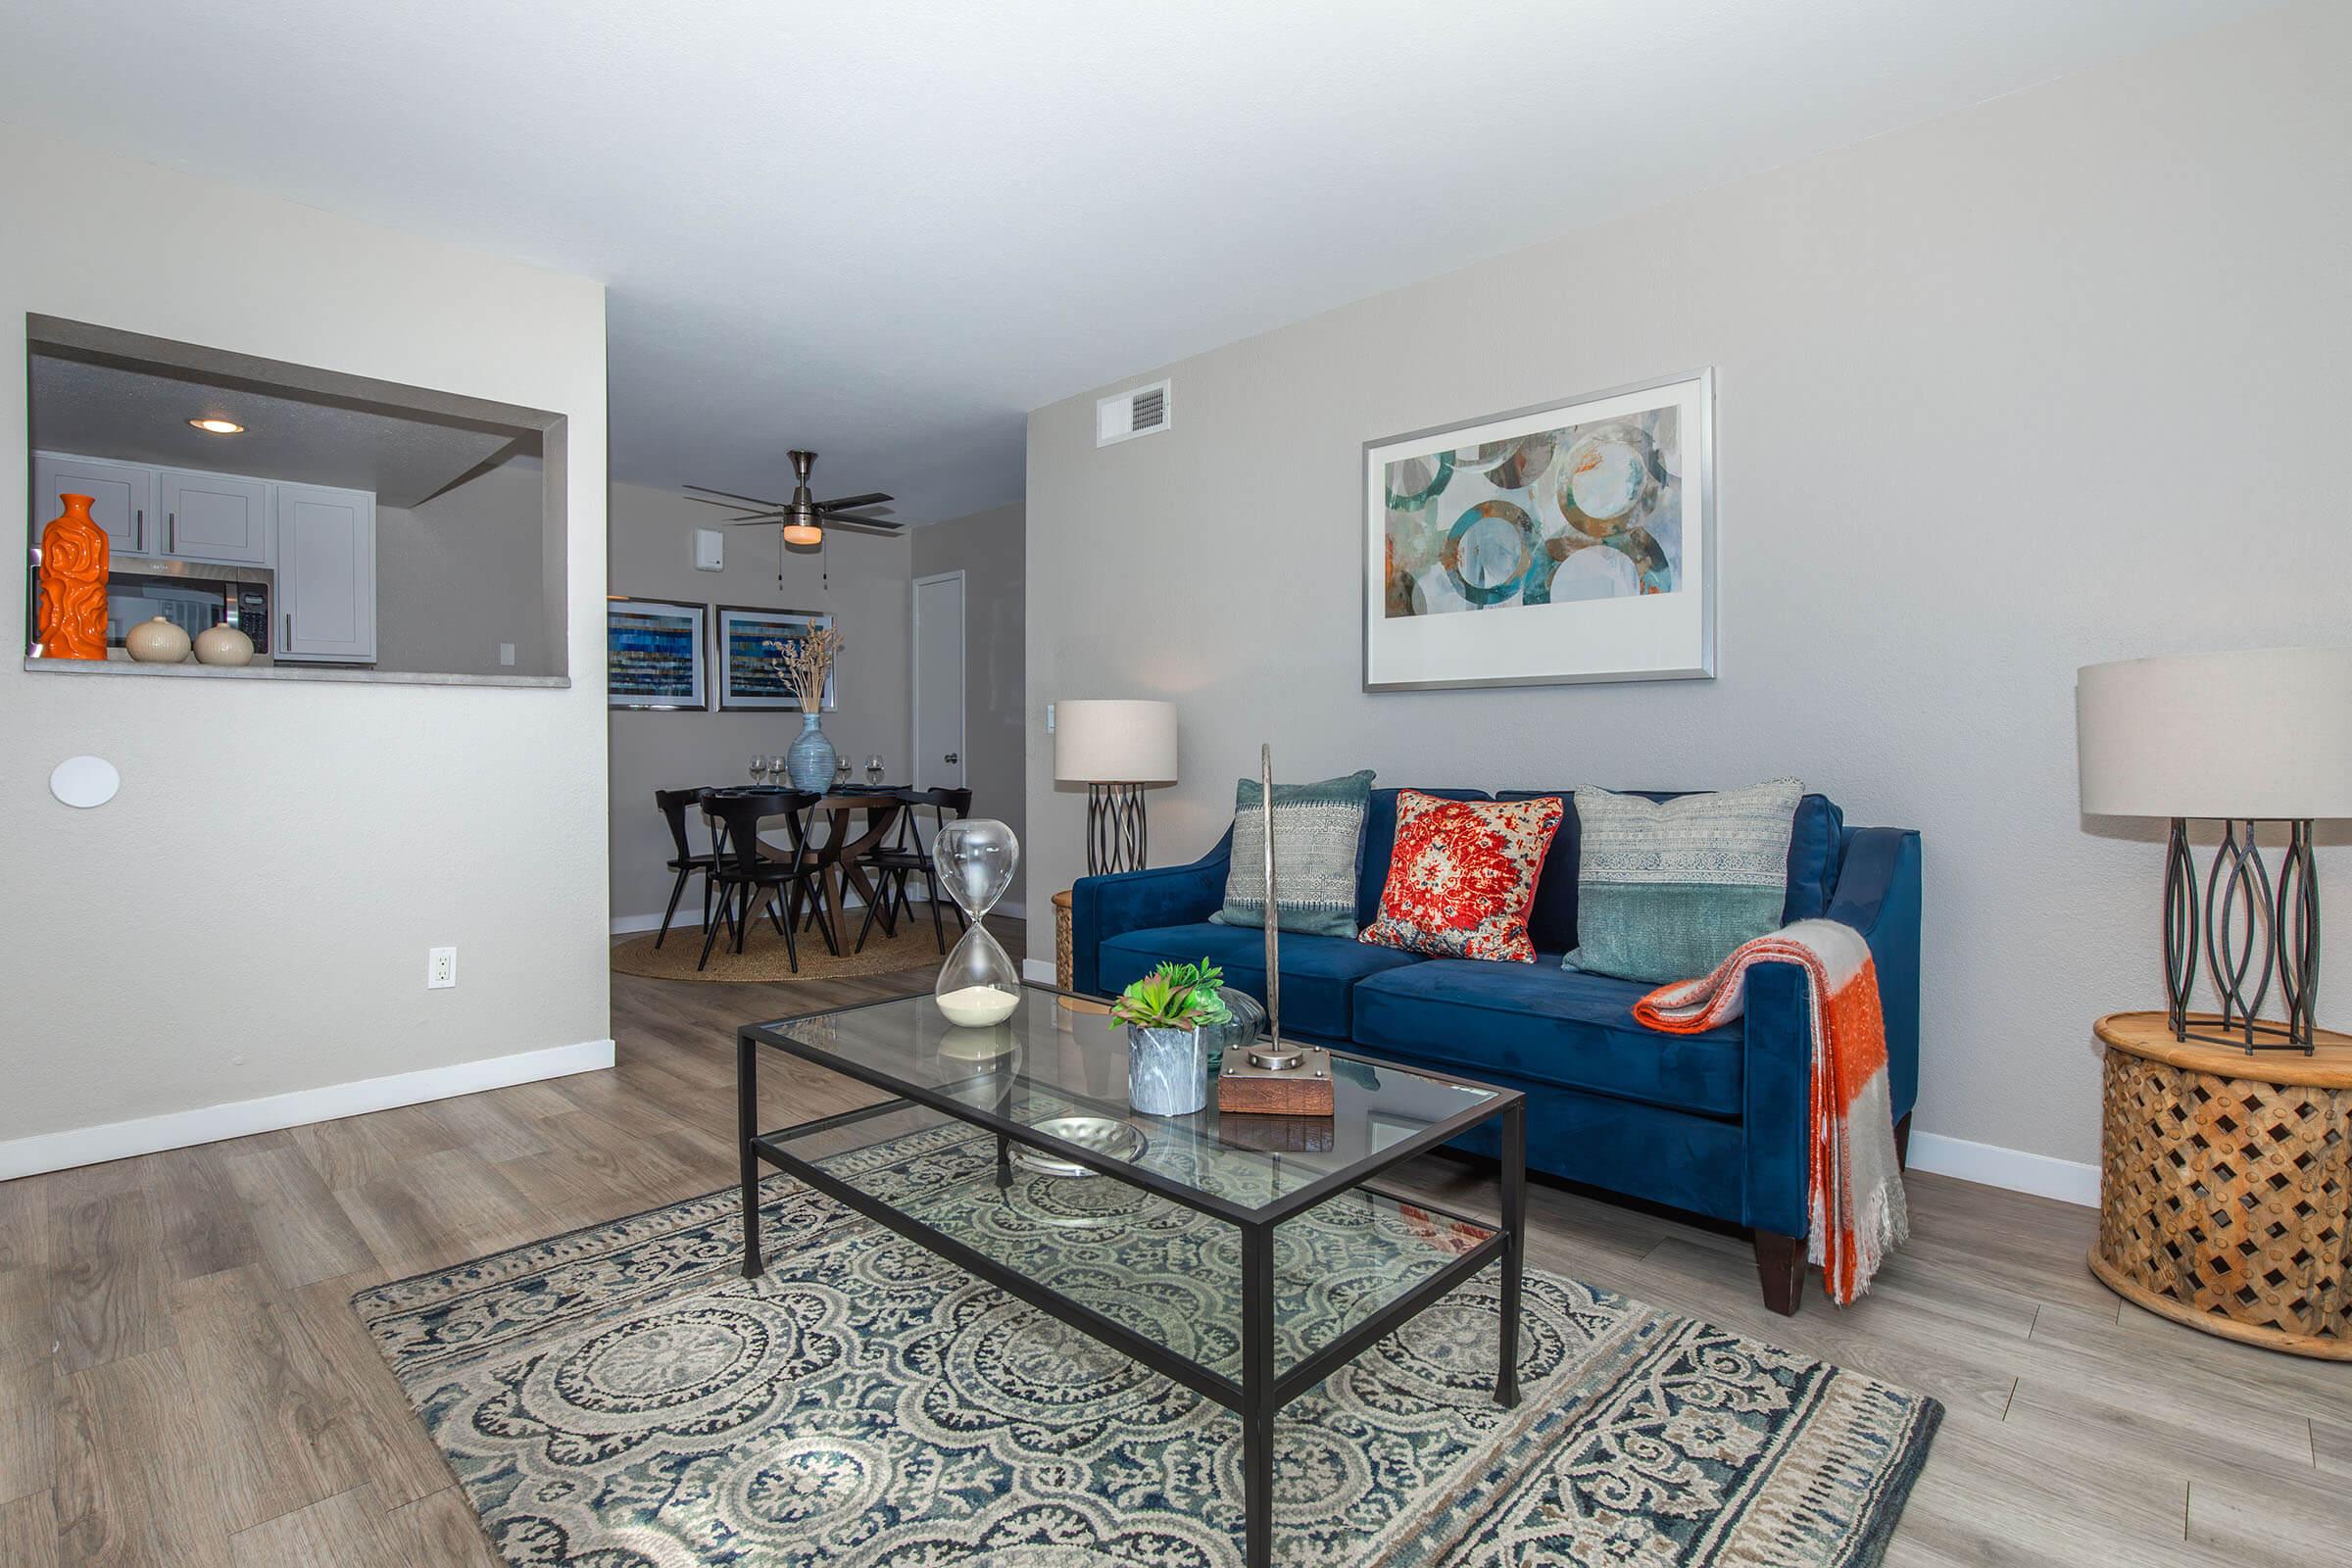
(621, 1396)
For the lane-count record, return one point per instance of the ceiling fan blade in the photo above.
(748, 501)
(736, 506)
(865, 525)
(870, 498)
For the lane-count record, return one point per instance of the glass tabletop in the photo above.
(1049, 1061)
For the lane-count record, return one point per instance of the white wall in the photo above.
(460, 575)
(248, 918)
(653, 557)
(989, 549)
(2057, 379)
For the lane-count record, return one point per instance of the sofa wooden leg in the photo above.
(1902, 1143)
(1780, 1266)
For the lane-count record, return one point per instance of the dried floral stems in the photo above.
(805, 662)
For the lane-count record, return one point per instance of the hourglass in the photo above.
(978, 985)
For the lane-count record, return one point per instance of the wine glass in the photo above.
(759, 770)
(874, 769)
(841, 772)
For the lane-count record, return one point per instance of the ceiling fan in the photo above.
(804, 521)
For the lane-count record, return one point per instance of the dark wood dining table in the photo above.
(841, 849)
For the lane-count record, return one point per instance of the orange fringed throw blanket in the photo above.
(1856, 1187)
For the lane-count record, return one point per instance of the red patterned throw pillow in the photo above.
(1463, 875)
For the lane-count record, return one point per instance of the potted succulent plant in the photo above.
(1167, 1053)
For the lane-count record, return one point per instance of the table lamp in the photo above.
(2262, 735)
(1114, 747)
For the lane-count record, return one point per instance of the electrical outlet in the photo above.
(440, 968)
(506, 652)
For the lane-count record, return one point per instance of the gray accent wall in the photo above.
(990, 549)
(653, 557)
(2056, 379)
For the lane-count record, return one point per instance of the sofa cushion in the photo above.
(1462, 876)
(1318, 855)
(1542, 1024)
(1380, 842)
(1814, 847)
(1318, 973)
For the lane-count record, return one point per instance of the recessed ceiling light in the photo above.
(219, 427)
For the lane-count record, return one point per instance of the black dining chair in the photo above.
(909, 857)
(684, 859)
(748, 877)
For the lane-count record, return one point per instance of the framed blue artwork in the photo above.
(1570, 542)
(654, 654)
(747, 639)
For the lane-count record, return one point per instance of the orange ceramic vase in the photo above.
(74, 555)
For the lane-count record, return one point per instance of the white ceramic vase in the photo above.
(224, 645)
(157, 642)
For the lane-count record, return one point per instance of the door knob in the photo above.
(953, 757)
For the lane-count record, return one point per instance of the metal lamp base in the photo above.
(1116, 840)
(2279, 937)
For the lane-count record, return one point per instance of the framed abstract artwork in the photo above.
(748, 676)
(654, 654)
(1572, 542)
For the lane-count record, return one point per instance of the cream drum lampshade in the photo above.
(2257, 735)
(1114, 747)
(1115, 741)
(2263, 733)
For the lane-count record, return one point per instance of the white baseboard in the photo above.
(1040, 970)
(209, 1124)
(2070, 1180)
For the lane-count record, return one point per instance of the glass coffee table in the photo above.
(1048, 1088)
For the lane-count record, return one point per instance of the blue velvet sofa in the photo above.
(1713, 1123)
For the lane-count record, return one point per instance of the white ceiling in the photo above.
(887, 230)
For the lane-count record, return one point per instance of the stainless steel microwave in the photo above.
(194, 594)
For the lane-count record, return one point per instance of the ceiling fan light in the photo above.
(804, 533)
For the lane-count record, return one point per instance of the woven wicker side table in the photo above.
(1064, 960)
(2226, 1193)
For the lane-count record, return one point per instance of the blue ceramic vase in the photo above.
(809, 761)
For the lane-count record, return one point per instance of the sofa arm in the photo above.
(1139, 901)
(1878, 893)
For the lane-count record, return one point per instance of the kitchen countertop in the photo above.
(311, 672)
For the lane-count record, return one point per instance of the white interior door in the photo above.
(938, 685)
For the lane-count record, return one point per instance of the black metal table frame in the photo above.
(1259, 1393)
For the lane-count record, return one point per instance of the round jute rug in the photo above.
(762, 961)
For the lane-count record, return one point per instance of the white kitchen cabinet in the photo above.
(325, 572)
(121, 496)
(212, 517)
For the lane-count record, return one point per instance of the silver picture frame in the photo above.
(1694, 392)
(768, 620)
(692, 696)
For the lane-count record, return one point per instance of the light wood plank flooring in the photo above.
(181, 1382)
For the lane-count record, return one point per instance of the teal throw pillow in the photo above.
(1318, 843)
(1666, 888)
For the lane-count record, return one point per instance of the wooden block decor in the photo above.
(1303, 1090)
(2225, 1197)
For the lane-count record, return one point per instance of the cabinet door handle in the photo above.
(138, 527)
(170, 532)
(282, 646)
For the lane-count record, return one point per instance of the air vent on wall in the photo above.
(1138, 411)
